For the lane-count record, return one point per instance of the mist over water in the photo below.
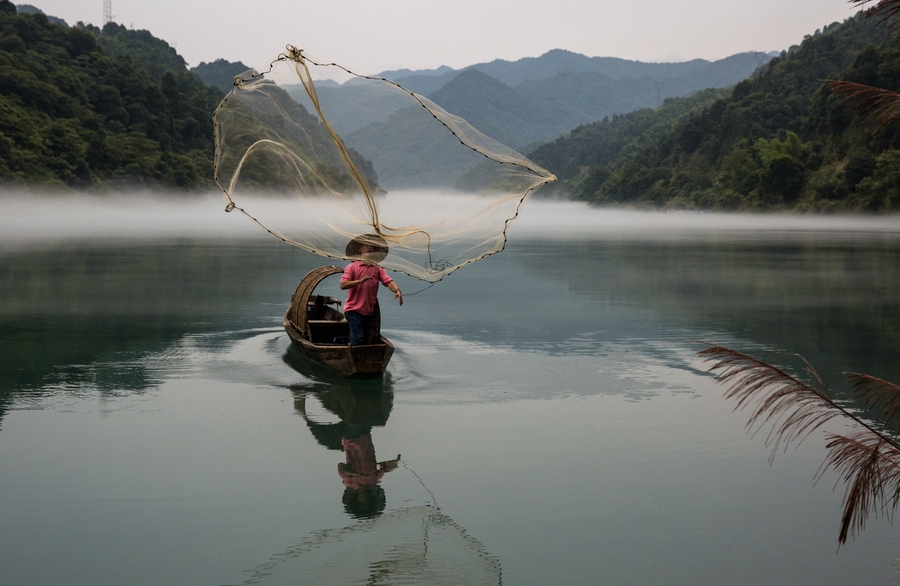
(565, 220)
(34, 217)
(554, 422)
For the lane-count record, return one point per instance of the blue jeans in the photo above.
(360, 327)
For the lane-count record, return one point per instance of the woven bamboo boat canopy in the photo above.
(297, 313)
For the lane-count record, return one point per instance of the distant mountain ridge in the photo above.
(512, 117)
(399, 73)
(546, 95)
(29, 9)
(779, 139)
(520, 104)
(558, 61)
(219, 73)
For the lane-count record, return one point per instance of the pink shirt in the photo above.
(361, 469)
(362, 297)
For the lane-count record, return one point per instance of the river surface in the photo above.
(553, 422)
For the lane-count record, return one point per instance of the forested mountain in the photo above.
(29, 9)
(594, 95)
(533, 99)
(778, 140)
(268, 113)
(409, 151)
(435, 160)
(497, 110)
(84, 107)
(152, 54)
(350, 107)
(219, 73)
(530, 113)
(721, 73)
(582, 160)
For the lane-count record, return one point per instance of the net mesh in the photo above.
(374, 163)
(415, 545)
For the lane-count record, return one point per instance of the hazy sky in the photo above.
(375, 35)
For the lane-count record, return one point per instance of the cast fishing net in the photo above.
(415, 545)
(372, 162)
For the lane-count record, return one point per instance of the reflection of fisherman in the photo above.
(361, 473)
(361, 279)
(363, 496)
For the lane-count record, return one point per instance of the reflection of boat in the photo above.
(362, 409)
(320, 331)
(361, 474)
(415, 544)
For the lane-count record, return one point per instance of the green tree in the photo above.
(82, 107)
(779, 139)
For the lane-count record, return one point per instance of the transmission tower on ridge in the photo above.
(107, 11)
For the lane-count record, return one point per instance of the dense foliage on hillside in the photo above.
(270, 114)
(29, 9)
(219, 73)
(582, 159)
(154, 55)
(81, 107)
(779, 140)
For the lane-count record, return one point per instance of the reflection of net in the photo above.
(418, 545)
(452, 190)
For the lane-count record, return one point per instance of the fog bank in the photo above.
(41, 218)
(29, 218)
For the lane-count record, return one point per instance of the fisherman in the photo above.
(360, 280)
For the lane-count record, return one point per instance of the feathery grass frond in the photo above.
(870, 466)
(879, 397)
(886, 9)
(795, 408)
(867, 460)
(880, 105)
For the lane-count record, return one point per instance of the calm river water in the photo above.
(553, 422)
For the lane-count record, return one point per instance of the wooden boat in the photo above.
(320, 332)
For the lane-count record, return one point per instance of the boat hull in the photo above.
(347, 361)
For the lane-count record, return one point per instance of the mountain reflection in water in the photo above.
(157, 428)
